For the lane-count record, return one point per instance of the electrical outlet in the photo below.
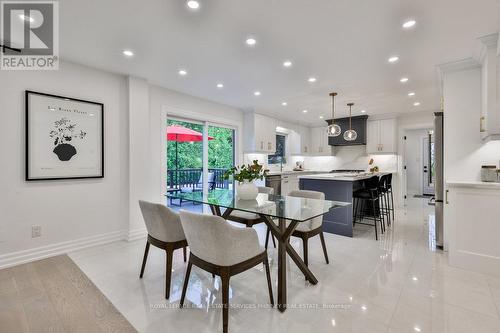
(36, 231)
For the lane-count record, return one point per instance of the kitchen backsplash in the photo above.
(350, 157)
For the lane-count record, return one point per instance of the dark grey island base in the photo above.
(339, 188)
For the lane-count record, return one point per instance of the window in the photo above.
(280, 154)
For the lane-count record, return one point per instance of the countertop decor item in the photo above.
(489, 173)
(333, 129)
(64, 137)
(350, 134)
(245, 176)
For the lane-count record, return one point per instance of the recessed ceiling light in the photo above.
(414, 278)
(192, 4)
(417, 329)
(182, 72)
(403, 80)
(311, 79)
(363, 307)
(284, 103)
(128, 53)
(416, 103)
(393, 59)
(363, 111)
(26, 18)
(411, 94)
(220, 85)
(408, 24)
(304, 111)
(257, 93)
(251, 41)
(287, 63)
(321, 117)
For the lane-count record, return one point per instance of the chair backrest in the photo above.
(317, 221)
(162, 223)
(389, 180)
(383, 182)
(214, 240)
(371, 183)
(266, 190)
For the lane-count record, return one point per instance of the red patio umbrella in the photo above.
(180, 133)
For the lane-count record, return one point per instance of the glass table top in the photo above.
(275, 206)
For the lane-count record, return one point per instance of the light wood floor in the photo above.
(54, 295)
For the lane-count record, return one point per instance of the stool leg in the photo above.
(375, 218)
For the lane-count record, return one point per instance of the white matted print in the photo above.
(64, 137)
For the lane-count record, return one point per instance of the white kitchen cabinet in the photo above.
(289, 183)
(381, 136)
(490, 76)
(319, 142)
(259, 134)
(299, 142)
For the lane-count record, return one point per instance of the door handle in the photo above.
(446, 196)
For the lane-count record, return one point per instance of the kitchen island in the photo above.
(339, 187)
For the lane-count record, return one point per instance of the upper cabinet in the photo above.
(319, 142)
(300, 141)
(381, 136)
(490, 85)
(259, 134)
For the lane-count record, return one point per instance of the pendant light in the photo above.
(350, 134)
(333, 129)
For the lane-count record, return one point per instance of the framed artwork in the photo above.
(64, 137)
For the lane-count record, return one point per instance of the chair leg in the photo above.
(225, 299)
(305, 249)
(168, 271)
(392, 205)
(375, 219)
(322, 237)
(272, 237)
(267, 237)
(144, 259)
(185, 253)
(269, 284)
(388, 208)
(186, 280)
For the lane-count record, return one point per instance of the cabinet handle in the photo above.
(446, 197)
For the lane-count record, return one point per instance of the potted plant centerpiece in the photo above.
(245, 176)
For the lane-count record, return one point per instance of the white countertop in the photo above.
(292, 172)
(343, 176)
(473, 184)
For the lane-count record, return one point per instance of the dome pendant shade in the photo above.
(350, 134)
(333, 129)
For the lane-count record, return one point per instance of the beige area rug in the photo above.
(54, 295)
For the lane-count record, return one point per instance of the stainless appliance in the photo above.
(274, 181)
(439, 170)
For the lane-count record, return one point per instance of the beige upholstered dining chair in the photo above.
(165, 232)
(221, 249)
(311, 228)
(250, 219)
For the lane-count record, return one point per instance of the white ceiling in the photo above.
(344, 43)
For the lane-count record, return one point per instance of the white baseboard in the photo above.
(21, 257)
(134, 234)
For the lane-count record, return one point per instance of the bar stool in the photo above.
(384, 194)
(390, 194)
(367, 202)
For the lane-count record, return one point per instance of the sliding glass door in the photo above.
(198, 154)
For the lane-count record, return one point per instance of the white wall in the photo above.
(413, 160)
(465, 151)
(66, 210)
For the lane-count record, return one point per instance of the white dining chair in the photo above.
(221, 249)
(165, 232)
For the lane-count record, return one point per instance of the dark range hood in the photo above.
(358, 124)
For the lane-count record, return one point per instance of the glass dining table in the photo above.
(270, 208)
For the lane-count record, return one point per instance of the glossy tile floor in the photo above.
(398, 284)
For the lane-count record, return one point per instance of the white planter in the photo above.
(247, 190)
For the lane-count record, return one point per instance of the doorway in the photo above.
(419, 162)
(198, 153)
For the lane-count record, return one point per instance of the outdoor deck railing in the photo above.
(191, 178)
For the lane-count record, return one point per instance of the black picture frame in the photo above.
(29, 177)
